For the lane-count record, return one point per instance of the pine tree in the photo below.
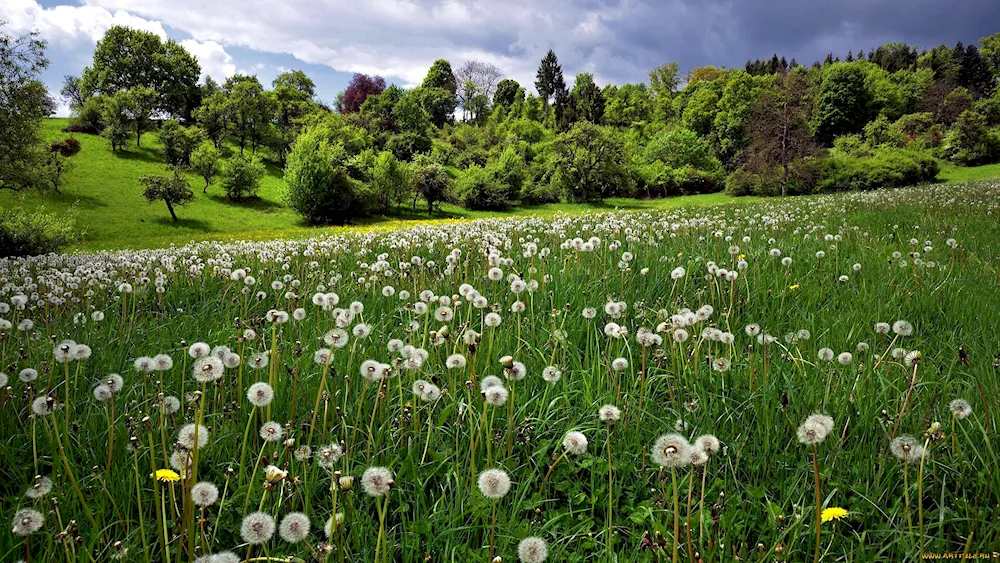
(549, 80)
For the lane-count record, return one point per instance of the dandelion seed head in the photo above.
(609, 414)
(260, 394)
(27, 375)
(271, 431)
(186, 438)
(327, 456)
(671, 450)
(575, 443)
(707, 443)
(532, 550)
(494, 483)
(43, 406)
(41, 487)
(377, 481)
(208, 369)
(960, 408)
(27, 521)
(907, 448)
(257, 528)
(814, 429)
(902, 328)
(294, 527)
(199, 350)
(204, 494)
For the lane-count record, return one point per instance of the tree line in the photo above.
(472, 136)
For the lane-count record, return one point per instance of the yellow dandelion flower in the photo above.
(833, 513)
(679, 254)
(796, 286)
(166, 475)
(742, 256)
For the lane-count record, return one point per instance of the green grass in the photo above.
(607, 504)
(104, 191)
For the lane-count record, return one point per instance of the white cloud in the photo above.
(212, 57)
(70, 25)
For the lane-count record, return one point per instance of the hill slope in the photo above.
(104, 191)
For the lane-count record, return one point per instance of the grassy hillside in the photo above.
(104, 192)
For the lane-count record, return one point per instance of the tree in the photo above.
(843, 105)
(438, 103)
(431, 182)
(701, 107)
(590, 160)
(249, 108)
(409, 114)
(72, 92)
(779, 129)
(293, 98)
(241, 177)
(358, 90)
(971, 143)
(213, 117)
(989, 48)
(975, 72)
(179, 142)
(477, 82)
(895, 56)
(441, 76)
(508, 93)
(731, 120)
(143, 106)
(549, 80)
(391, 181)
(117, 112)
(172, 190)
(664, 80)
(586, 100)
(318, 187)
(627, 105)
(24, 101)
(704, 74)
(205, 162)
(128, 58)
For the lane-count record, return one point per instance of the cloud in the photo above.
(212, 57)
(70, 25)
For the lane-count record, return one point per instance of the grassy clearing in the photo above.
(745, 358)
(104, 191)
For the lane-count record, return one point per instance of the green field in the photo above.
(640, 311)
(104, 191)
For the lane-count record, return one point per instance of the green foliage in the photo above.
(89, 116)
(319, 188)
(478, 189)
(205, 162)
(127, 59)
(409, 115)
(702, 106)
(117, 118)
(29, 233)
(733, 112)
(508, 93)
(67, 147)
(885, 168)
(549, 80)
(241, 177)
(250, 110)
(627, 105)
(844, 103)
(590, 159)
(24, 101)
(212, 117)
(879, 133)
(510, 170)
(172, 190)
(971, 143)
(391, 180)
(179, 142)
(441, 76)
(678, 162)
(438, 103)
(432, 183)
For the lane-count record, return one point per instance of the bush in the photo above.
(24, 233)
(677, 162)
(241, 177)
(88, 118)
(479, 189)
(432, 183)
(179, 142)
(319, 187)
(887, 168)
(67, 147)
(970, 143)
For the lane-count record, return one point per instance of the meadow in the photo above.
(783, 380)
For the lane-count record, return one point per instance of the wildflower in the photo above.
(960, 408)
(162, 362)
(199, 350)
(532, 550)
(63, 352)
(274, 474)
(41, 488)
(862, 347)
(494, 483)
(906, 448)
(336, 338)
(489, 381)
(814, 429)
(43, 406)
(257, 528)
(329, 455)
(260, 394)
(27, 375)
(575, 443)
(204, 494)
(102, 392)
(372, 370)
(720, 364)
(271, 431)
(671, 450)
(302, 453)
(495, 395)
(609, 414)
(186, 436)
(322, 356)
(752, 329)
(259, 361)
(844, 358)
(551, 374)
(619, 364)
(27, 521)
(794, 286)
(833, 513)
(826, 354)
(707, 443)
(143, 364)
(3, 379)
(294, 527)
(902, 328)
(170, 404)
(208, 369)
(377, 481)
(912, 358)
(166, 476)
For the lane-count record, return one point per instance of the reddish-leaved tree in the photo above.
(358, 90)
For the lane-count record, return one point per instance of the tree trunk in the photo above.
(430, 208)
(171, 208)
(205, 190)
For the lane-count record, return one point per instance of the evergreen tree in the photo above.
(549, 81)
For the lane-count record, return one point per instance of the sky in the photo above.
(617, 41)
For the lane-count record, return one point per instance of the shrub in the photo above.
(677, 162)
(887, 168)
(241, 177)
(205, 162)
(970, 143)
(319, 187)
(432, 183)
(67, 147)
(479, 189)
(179, 142)
(24, 233)
(89, 117)
(509, 169)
